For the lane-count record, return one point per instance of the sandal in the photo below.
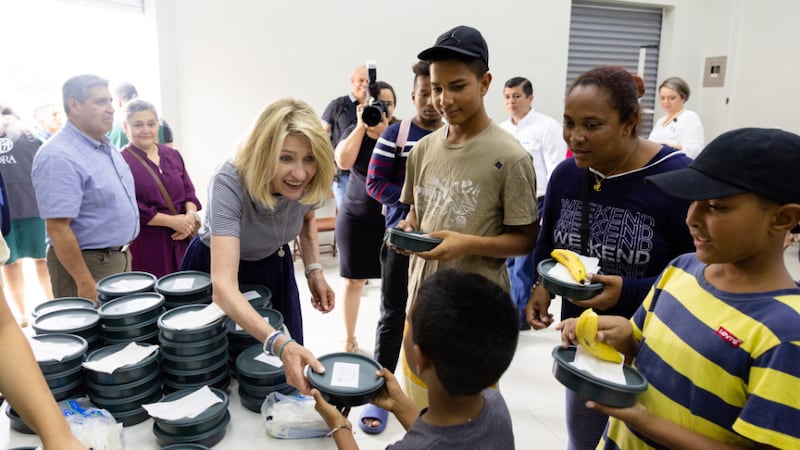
(370, 414)
(351, 346)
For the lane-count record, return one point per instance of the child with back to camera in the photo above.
(717, 336)
(462, 334)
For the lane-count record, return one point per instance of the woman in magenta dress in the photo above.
(166, 221)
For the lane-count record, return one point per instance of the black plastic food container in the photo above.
(365, 383)
(593, 388)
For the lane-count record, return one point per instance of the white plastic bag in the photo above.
(95, 428)
(292, 417)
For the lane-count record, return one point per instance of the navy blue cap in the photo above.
(461, 40)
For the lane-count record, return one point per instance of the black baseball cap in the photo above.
(762, 161)
(461, 40)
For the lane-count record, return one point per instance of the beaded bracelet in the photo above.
(285, 343)
(346, 426)
(268, 346)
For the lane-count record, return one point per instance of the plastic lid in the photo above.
(131, 305)
(204, 416)
(109, 350)
(126, 283)
(66, 321)
(187, 282)
(346, 374)
(273, 316)
(254, 363)
(255, 291)
(184, 446)
(185, 309)
(74, 347)
(62, 303)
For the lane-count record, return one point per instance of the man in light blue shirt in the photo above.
(85, 193)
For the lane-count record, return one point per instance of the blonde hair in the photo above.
(258, 153)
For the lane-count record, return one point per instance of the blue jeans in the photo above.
(522, 275)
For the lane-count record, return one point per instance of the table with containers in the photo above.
(158, 340)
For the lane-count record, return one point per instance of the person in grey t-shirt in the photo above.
(257, 203)
(461, 336)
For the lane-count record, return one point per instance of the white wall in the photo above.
(765, 72)
(221, 62)
(229, 59)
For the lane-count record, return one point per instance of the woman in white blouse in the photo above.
(680, 128)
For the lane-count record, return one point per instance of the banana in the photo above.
(572, 262)
(586, 333)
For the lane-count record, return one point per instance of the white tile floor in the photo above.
(534, 397)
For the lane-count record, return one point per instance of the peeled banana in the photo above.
(572, 262)
(586, 333)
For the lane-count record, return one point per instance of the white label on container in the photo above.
(183, 283)
(124, 285)
(344, 375)
(251, 295)
(269, 359)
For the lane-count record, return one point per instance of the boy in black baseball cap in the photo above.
(470, 183)
(717, 336)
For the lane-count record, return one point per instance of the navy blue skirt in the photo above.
(274, 272)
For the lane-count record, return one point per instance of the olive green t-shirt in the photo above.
(477, 187)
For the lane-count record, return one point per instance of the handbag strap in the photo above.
(156, 178)
(585, 227)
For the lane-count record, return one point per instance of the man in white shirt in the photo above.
(541, 136)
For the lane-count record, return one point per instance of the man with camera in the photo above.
(339, 118)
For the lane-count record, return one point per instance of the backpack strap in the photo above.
(402, 137)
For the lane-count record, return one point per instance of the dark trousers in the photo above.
(394, 295)
(584, 426)
(274, 272)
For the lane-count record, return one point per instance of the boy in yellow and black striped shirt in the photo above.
(718, 336)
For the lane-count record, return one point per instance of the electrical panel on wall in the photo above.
(714, 73)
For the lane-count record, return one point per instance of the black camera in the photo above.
(376, 109)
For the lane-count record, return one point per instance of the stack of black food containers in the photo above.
(257, 295)
(239, 339)
(125, 283)
(83, 322)
(188, 287)
(132, 318)
(192, 358)
(60, 357)
(259, 374)
(186, 446)
(126, 389)
(207, 428)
